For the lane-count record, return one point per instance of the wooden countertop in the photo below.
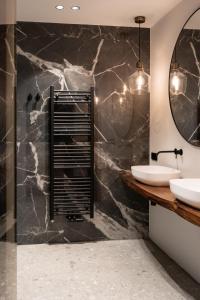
(163, 197)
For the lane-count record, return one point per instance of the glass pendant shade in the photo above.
(139, 82)
(178, 81)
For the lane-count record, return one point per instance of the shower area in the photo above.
(77, 128)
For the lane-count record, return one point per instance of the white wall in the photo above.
(7, 11)
(163, 132)
(177, 237)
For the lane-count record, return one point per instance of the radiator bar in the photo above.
(71, 153)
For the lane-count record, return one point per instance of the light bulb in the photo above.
(178, 82)
(120, 100)
(140, 81)
(124, 89)
(96, 100)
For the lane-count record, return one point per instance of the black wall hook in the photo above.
(37, 97)
(30, 97)
(28, 100)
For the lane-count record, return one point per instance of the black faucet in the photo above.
(154, 156)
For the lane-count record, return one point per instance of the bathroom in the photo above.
(105, 205)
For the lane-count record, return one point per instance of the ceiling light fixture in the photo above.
(59, 7)
(139, 81)
(75, 7)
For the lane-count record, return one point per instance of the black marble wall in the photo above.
(7, 163)
(76, 57)
(186, 107)
(7, 82)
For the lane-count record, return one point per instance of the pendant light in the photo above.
(178, 80)
(139, 81)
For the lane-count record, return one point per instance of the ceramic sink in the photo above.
(187, 190)
(155, 175)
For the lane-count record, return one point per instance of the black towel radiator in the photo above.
(71, 154)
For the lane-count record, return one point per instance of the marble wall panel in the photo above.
(76, 57)
(7, 163)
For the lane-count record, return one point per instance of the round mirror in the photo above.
(184, 81)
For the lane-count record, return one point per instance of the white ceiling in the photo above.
(97, 12)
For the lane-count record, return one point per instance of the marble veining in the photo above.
(7, 143)
(7, 163)
(77, 57)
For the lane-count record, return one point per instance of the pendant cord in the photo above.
(139, 44)
(175, 57)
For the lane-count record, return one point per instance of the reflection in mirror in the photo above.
(184, 81)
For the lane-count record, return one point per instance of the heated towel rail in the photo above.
(71, 154)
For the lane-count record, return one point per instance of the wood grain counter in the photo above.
(163, 197)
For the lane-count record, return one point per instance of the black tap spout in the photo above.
(154, 156)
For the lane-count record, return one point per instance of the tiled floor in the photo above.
(110, 270)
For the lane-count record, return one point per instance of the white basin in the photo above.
(154, 175)
(187, 190)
